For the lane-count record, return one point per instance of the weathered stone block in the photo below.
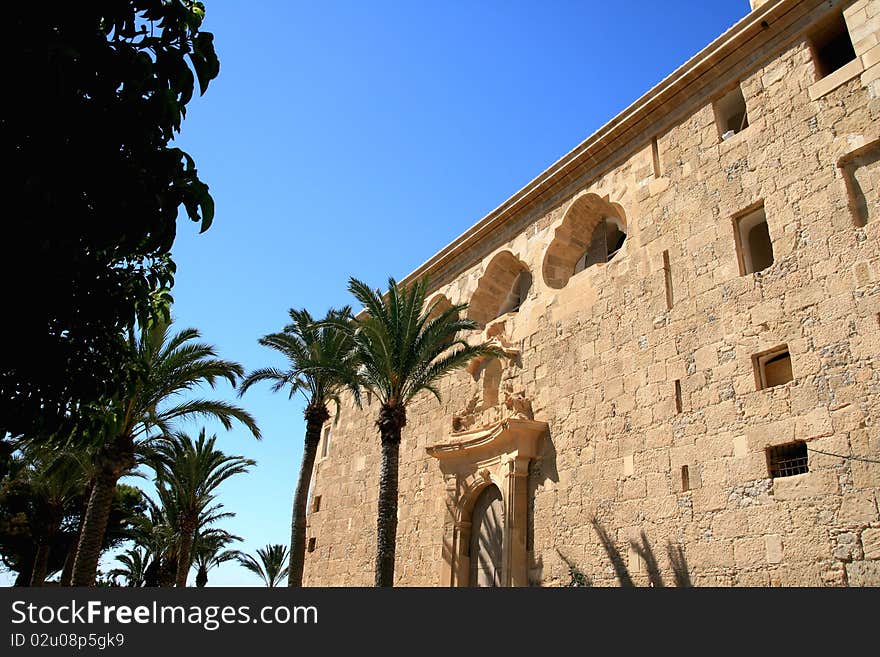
(773, 548)
(857, 509)
(863, 573)
(871, 543)
(811, 484)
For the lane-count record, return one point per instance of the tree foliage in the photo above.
(404, 348)
(320, 364)
(271, 566)
(21, 509)
(93, 187)
(188, 474)
(168, 367)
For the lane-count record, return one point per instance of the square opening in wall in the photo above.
(831, 45)
(730, 113)
(787, 460)
(316, 504)
(753, 244)
(311, 547)
(773, 368)
(325, 445)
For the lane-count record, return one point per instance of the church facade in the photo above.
(689, 307)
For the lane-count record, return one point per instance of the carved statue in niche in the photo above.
(519, 405)
(492, 400)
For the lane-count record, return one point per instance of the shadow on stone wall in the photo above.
(857, 201)
(541, 470)
(677, 561)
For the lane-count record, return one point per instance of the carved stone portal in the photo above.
(471, 461)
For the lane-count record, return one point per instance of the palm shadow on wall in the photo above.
(674, 552)
(541, 470)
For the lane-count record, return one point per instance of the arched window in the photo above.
(518, 292)
(435, 307)
(502, 289)
(592, 232)
(606, 241)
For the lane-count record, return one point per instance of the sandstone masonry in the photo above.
(672, 408)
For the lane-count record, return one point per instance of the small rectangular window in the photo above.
(773, 367)
(787, 460)
(316, 504)
(667, 274)
(831, 45)
(325, 446)
(678, 395)
(311, 547)
(753, 244)
(730, 113)
(655, 154)
(685, 478)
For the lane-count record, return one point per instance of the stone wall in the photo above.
(602, 356)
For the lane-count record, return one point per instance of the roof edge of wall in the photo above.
(660, 102)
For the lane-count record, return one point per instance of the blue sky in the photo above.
(359, 138)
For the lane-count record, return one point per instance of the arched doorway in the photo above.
(486, 542)
(486, 472)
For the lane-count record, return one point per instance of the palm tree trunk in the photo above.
(115, 458)
(67, 573)
(167, 572)
(202, 577)
(27, 568)
(151, 573)
(92, 536)
(183, 558)
(41, 563)
(315, 419)
(391, 421)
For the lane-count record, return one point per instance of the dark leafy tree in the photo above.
(320, 363)
(403, 349)
(92, 187)
(18, 544)
(57, 479)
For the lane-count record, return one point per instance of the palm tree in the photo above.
(155, 534)
(134, 566)
(188, 474)
(209, 550)
(57, 477)
(164, 367)
(320, 365)
(271, 567)
(403, 349)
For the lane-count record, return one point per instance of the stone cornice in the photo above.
(778, 22)
(519, 435)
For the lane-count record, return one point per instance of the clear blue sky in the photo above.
(359, 138)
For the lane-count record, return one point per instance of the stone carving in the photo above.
(519, 405)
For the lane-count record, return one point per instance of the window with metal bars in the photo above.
(787, 460)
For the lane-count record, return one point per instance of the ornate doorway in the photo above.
(484, 531)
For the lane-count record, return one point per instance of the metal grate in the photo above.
(787, 460)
